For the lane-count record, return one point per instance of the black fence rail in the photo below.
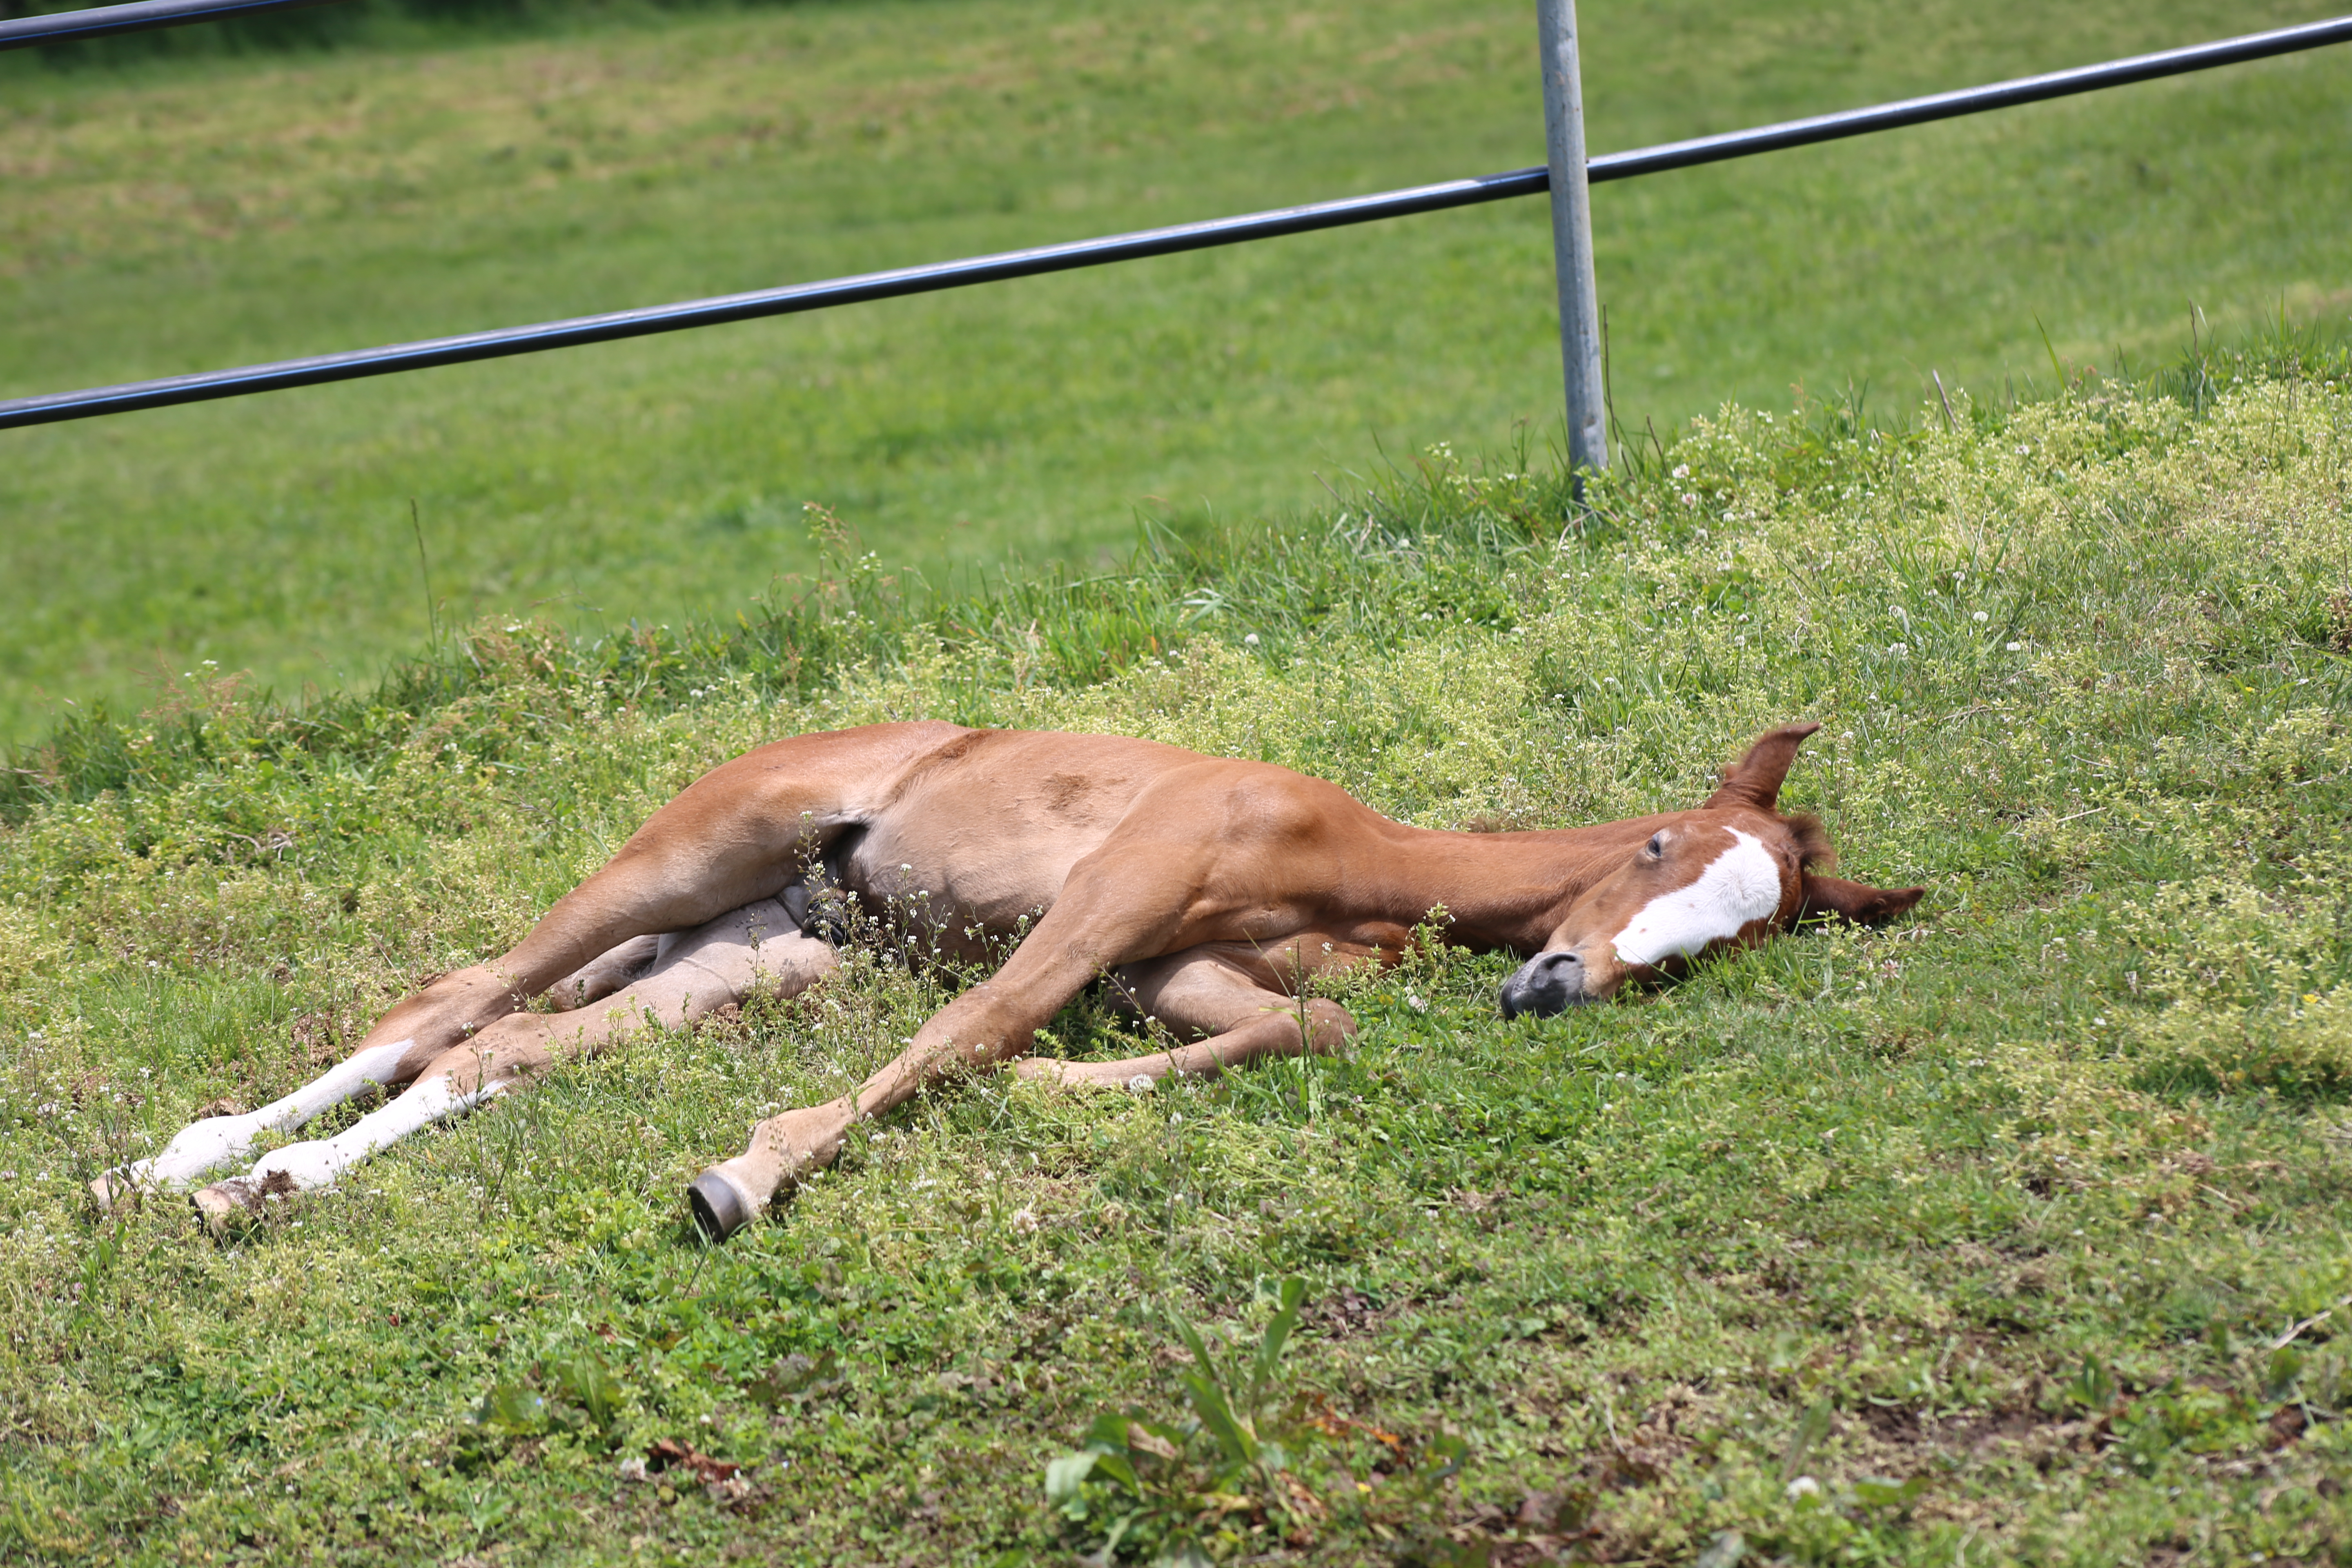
(793, 298)
(105, 21)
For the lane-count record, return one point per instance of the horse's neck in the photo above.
(1503, 890)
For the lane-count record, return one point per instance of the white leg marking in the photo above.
(1740, 885)
(319, 1162)
(217, 1140)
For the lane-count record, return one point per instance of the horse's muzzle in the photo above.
(1546, 983)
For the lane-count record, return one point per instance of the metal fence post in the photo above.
(1571, 237)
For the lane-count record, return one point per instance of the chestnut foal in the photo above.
(1206, 888)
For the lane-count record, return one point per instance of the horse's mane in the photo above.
(1813, 850)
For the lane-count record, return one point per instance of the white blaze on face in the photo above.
(1740, 885)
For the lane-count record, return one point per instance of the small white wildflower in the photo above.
(1140, 1084)
(1898, 647)
(632, 1468)
(1024, 1220)
(1417, 1003)
(1803, 1487)
(2017, 648)
(1250, 640)
(1981, 617)
(1682, 471)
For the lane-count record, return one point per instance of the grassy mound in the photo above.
(459, 166)
(2016, 1229)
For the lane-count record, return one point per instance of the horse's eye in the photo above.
(1656, 848)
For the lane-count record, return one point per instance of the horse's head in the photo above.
(1671, 888)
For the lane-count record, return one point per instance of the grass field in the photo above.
(2013, 1233)
(173, 216)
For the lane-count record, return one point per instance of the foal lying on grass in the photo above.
(1207, 888)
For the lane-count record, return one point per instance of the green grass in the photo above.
(179, 213)
(1987, 1224)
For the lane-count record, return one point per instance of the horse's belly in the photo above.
(966, 881)
(986, 840)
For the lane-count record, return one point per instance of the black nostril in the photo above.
(1544, 985)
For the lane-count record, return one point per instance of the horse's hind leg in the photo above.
(1201, 992)
(732, 958)
(603, 975)
(204, 1146)
(738, 833)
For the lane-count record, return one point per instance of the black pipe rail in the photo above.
(613, 326)
(103, 21)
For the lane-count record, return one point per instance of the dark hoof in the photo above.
(720, 1208)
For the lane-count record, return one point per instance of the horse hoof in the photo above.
(113, 1191)
(225, 1205)
(721, 1207)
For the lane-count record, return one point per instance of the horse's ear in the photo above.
(1855, 901)
(1755, 779)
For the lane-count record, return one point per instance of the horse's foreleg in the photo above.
(1205, 994)
(748, 950)
(1101, 919)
